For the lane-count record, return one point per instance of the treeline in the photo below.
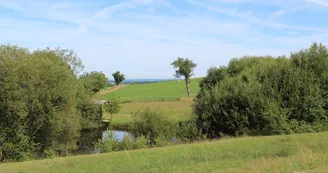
(265, 95)
(44, 103)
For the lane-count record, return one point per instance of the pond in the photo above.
(116, 134)
(90, 136)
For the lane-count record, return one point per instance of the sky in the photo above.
(141, 38)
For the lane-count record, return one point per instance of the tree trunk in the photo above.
(187, 87)
(111, 117)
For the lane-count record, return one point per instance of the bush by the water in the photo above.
(154, 126)
(151, 128)
(111, 143)
(187, 131)
(265, 95)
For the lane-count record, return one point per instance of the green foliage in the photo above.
(265, 95)
(141, 142)
(153, 125)
(109, 144)
(187, 131)
(37, 102)
(91, 115)
(185, 68)
(128, 143)
(94, 81)
(118, 77)
(112, 106)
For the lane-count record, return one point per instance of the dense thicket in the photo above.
(42, 102)
(265, 95)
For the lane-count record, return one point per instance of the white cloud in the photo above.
(278, 13)
(126, 5)
(143, 44)
(318, 2)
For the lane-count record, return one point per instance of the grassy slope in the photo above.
(175, 110)
(294, 153)
(154, 91)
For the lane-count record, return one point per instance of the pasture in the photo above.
(175, 110)
(160, 91)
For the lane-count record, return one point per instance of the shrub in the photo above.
(127, 143)
(188, 131)
(265, 95)
(109, 144)
(141, 142)
(152, 124)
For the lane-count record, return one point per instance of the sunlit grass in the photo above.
(292, 153)
(175, 110)
(161, 91)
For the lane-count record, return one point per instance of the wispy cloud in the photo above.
(143, 36)
(319, 2)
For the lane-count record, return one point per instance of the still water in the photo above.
(90, 136)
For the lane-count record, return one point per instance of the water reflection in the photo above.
(115, 134)
(88, 138)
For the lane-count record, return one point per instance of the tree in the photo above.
(184, 67)
(94, 81)
(37, 104)
(118, 77)
(112, 106)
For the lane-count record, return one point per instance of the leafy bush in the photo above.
(265, 95)
(109, 144)
(152, 124)
(187, 131)
(141, 142)
(127, 143)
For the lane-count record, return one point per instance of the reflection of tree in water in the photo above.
(87, 140)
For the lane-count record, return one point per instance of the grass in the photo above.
(292, 153)
(175, 110)
(161, 91)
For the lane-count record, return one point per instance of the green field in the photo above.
(168, 97)
(175, 110)
(293, 153)
(169, 90)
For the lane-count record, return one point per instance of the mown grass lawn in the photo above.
(175, 110)
(292, 153)
(169, 90)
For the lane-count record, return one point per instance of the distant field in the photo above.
(175, 110)
(170, 90)
(295, 153)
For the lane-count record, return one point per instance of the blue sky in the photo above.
(142, 37)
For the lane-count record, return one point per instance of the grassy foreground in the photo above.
(292, 153)
(169, 90)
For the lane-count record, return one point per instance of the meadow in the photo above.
(175, 110)
(167, 97)
(159, 91)
(286, 153)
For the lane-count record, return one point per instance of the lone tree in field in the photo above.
(184, 67)
(112, 106)
(118, 77)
